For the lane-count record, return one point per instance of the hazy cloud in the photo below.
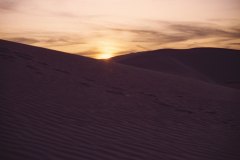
(24, 40)
(238, 44)
(141, 35)
(9, 4)
(63, 14)
(202, 31)
(49, 41)
(179, 33)
(136, 31)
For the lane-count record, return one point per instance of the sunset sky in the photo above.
(105, 28)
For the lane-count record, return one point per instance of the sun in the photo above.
(107, 49)
(105, 56)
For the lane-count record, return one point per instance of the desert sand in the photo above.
(216, 65)
(58, 106)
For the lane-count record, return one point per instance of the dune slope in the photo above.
(209, 64)
(61, 106)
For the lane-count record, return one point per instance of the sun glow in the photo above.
(105, 56)
(107, 49)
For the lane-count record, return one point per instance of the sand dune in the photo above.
(61, 106)
(208, 64)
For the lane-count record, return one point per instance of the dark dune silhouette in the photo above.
(209, 64)
(62, 106)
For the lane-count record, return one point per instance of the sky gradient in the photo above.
(105, 28)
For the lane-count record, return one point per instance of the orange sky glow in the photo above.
(106, 28)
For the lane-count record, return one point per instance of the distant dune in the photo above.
(209, 64)
(58, 106)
